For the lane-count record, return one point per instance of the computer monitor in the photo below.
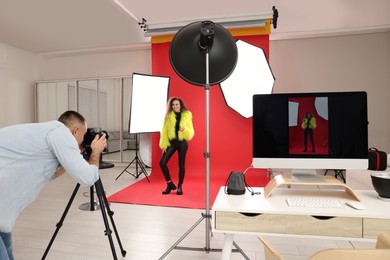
(335, 136)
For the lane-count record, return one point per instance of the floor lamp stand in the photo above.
(206, 215)
(138, 164)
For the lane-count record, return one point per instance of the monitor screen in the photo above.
(310, 130)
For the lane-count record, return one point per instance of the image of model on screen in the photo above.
(308, 124)
(177, 130)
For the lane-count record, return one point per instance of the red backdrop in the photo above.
(230, 133)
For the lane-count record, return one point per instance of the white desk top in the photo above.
(276, 203)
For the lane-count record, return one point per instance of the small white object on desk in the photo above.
(355, 205)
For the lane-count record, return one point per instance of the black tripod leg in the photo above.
(111, 214)
(143, 170)
(107, 232)
(137, 163)
(125, 170)
(59, 224)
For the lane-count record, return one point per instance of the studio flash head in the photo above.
(207, 31)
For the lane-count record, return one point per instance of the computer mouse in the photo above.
(355, 205)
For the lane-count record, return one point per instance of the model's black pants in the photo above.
(308, 132)
(181, 147)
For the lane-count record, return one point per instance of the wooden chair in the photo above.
(269, 251)
(380, 252)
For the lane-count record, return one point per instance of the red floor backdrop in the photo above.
(230, 133)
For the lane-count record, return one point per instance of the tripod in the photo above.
(137, 162)
(207, 214)
(103, 206)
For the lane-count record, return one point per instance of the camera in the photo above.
(88, 138)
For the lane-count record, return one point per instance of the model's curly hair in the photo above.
(170, 102)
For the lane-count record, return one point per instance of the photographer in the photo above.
(33, 154)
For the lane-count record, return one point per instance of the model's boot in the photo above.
(170, 186)
(179, 189)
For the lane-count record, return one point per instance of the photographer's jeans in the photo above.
(6, 246)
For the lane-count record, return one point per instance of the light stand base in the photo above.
(88, 207)
(204, 249)
(137, 162)
(137, 173)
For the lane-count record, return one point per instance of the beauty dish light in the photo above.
(203, 54)
(191, 46)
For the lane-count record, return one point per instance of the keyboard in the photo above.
(313, 203)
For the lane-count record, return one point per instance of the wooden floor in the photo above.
(146, 232)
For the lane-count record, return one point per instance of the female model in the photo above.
(308, 124)
(177, 130)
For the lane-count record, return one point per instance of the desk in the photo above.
(254, 214)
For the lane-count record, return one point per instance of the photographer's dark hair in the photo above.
(71, 117)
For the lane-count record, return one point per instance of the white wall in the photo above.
(95, 63)
(17, 78)
(343, 63)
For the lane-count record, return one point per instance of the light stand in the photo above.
(137, 162)
(211, 35)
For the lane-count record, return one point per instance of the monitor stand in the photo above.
(305, 175)
(279, 180)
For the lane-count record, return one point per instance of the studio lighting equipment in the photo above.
(252, 75)
(197, 43)
(152, 92)
(149, 95)
(206, 35)
(196, 50)
(275, 17)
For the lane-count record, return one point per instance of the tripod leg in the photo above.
(143, 170)
(59, 224)
(125, 170)
(107, 232)
(181, 238)
(137, 163)
(110, 214)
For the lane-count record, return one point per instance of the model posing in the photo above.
(177, 130)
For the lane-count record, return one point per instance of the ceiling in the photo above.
(69, 25)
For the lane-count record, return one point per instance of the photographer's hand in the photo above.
(98, 144)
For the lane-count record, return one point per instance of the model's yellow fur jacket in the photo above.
(168, 129)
